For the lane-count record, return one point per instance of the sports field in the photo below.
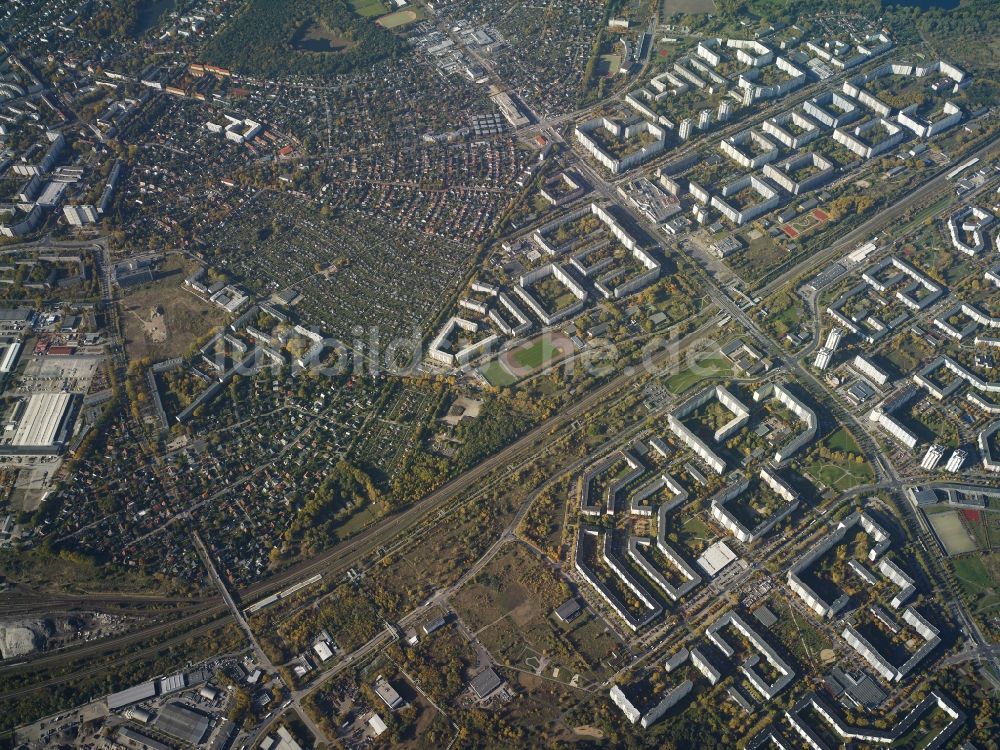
(949, 529)
(400, 18)
(367, 8)
(496, 374)
(608, 65)
(536, 353)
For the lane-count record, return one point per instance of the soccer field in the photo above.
(536, 354)
(949, 529)
(496, 374)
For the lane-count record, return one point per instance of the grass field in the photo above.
(496, 374)
(607, 65)
(367, 8)
(711, 366)
(979, 577)
(842, 440)
(537, 353)
(400, 18)
(669, 7)
(949, 529)
(842, 476)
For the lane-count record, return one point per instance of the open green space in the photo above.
(837, 462)
(714, 365)
(842, 440)
(261, 38)
(608, 65)
(367, 8)
(537, 353)
(978, 576)
(496, 374)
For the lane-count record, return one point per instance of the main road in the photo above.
(878, 223)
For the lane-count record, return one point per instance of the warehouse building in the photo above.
(182, 722)
(45, 423)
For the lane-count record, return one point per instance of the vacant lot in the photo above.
(762, 254)
(509, 606)
(162, 319)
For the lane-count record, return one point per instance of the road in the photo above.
(873, 226)
(345, 554)
(348, 553)
(886, 472)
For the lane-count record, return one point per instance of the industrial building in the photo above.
(183, 722)
(134, 694)
(44, 424)
(387, 693)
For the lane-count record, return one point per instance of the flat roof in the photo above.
(765, 616)
(568, 609)
(15, 313)
(378, 726)
(141, 740)
(486, 682)
(172, 684)
(42, 419)
(716, 558)
(387, 693)
(132, 695)
(182, 722)
(51, 194)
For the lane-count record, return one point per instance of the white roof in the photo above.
(715, 558)
(42, 418)
(322, 650)
(377, 724)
